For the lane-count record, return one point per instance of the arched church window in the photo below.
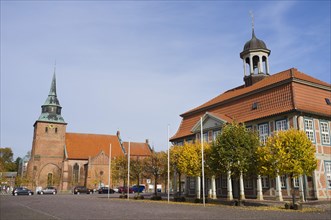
(75, 173)
(50, 179)
(46, 129)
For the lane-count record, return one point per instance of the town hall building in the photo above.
(266, 103)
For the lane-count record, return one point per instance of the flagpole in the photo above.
(109, 170)
(128, 187)
(168, 167)
(203, 166)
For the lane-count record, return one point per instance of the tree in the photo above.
(155, 165)
(234, 150)
(187, 159)
(136, 170)
(6, 160)
(175, 152)
(120, 169)
(288, 152)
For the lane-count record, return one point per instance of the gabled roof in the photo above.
(83, 146)
(283, 92)
(138, 149)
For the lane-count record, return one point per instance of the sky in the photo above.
(135, 66)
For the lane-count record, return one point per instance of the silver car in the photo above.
(48, 190)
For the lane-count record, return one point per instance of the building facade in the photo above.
(63, 159)
(266, 103)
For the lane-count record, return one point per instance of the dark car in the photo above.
(105, 190)
(48, 190)
(140, 189)
(82, 189)
(123, 189)
(22, 191)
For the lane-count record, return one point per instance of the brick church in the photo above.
(64, 160)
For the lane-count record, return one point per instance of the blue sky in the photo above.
(137, 65)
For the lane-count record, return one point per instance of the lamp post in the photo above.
(203, 166)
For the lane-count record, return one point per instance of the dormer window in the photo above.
(327, 100)
(254, 106)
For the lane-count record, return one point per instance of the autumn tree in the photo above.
(120, 169)
(187, 159)
(136, 170)
(156, 165)
(175, 152)
(234, 150)
(287, 152)
(6, 160)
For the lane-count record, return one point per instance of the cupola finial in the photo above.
(252, 16)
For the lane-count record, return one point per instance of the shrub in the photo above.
(180, 199)
(156, 198)
(138, 197)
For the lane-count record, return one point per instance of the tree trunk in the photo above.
(155, 185)
(180, 185)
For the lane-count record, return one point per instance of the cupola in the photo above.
(255, 56)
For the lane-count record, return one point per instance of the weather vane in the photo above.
(252, 16)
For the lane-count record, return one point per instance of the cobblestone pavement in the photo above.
(96, 206)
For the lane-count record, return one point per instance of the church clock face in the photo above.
(51, 126)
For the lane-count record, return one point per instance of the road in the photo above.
(96, 206)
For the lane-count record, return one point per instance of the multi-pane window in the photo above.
(327, 168)
(309, 129)
(224, 181)
(296, 182)
(265, 181)
(283, 181)
(205, 137)
(281, 125)
(248, 183)
(263, 133)
(325, 132)
(215, 134)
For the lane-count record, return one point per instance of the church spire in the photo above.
(51, 110)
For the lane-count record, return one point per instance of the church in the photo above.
(266, 103)
(65, 160)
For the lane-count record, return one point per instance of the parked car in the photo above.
(22, 191)
(105, 190)
(139, 188)
(82, 189)
(48, 190)
(123, 189)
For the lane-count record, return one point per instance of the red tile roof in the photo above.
(137, 149)
(82, 146)
(279, 93)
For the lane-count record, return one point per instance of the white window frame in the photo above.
(224, 181)
(296, 182)
(327, 171)
(283, 181)
(265, 182)
(215, 134)
(205, 137)
(263, 132)
(309, 129)
(248, 183)
(281, 125)
(325, 132)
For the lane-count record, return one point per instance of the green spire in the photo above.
(51, 110)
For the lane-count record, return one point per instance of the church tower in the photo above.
(47, 154)
(255, 56)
